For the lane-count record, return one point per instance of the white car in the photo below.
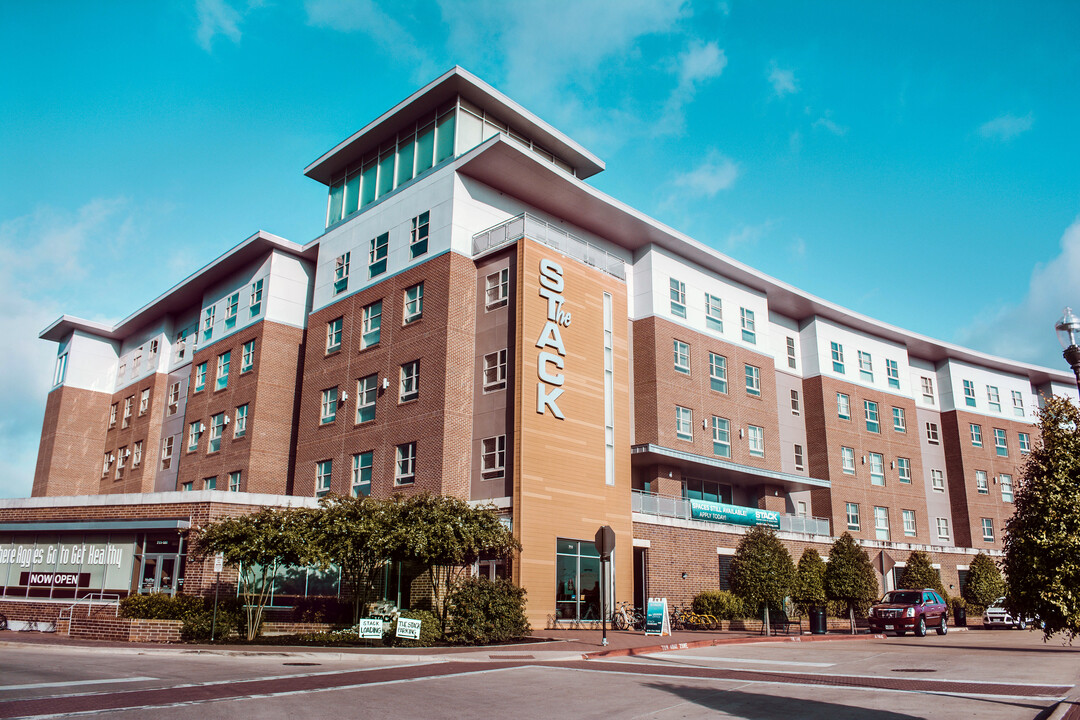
(997, 616)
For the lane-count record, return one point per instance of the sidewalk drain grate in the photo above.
(302, 664)
(922, 670)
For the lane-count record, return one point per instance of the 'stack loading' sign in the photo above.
(550, 387)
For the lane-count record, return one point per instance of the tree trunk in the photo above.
(766, 620)
(851, 616)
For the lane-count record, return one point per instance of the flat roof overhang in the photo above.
(510, 169)
(708, 468)
(96, 525)
(185, 294)
(454, 82)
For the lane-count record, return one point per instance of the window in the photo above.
(144, 401)
(217, 426)
(414, 303)
(706, 490)
(366, 392)
(106, 461)
(969, 393)
(943, 528)
(798, 457)
(928, 390)
(903, 468)
(852, 516)
(909, 523)
(1000, 444)
(800, 508)
(210, 483)
(377, 255)
(866, 368)
(746, 319)
(231, 307)
(1006, 487)
(166, 453)
(174, 399)
(208, 323)
(112, 415)
(993, 398)
(756, 440)
(714, 313)
(791, 353)
(324, 469)
(328, 407)
(493, 457)
(418, 240)
(932, 433)
(129, 402)
(871, 413)
(682, 357)
(135, 366)
(372, 324)
(881, 523)
(837, 357)
(181, 343)
(194, 432)
(405, 470)
(843, 406)
(877, 469)
(410, 381)
(333, 335)
(187, 487)
(847, 460)
(200, 376)
(222, 371)
(976, 434)
(684, 423)
(721, 437)
(1018, 403)
(495, 371)
(718, 372)
(899, 419)
(234, 481)
(988, 529)
(153, 348)
(753, 381)
(240, 425)
(361, 473)
(256, 297)
(497, 289)
(794, 402)
(61, 369)
(677, 291)
(937, 480)
(247, 359)
(136, 454)
(980, 482)
(1025, 443)
(893, 373)
(341, 273)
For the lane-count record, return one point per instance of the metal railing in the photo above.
(525, 225)
(649, 503)
(104, 599)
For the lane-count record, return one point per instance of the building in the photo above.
(478, 320)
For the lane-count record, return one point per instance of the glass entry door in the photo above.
(158, 573)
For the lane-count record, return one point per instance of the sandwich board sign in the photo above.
(408, 628)
(370, 628)
(657, 621)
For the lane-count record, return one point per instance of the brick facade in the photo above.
(72, 438)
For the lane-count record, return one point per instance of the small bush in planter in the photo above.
(721, 604)
(430, 633)
(483, 611)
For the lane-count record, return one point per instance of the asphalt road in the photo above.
(985, 674)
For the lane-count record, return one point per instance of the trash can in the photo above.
(818, 623)
(960, 616)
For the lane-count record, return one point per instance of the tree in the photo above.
(762, 573)
(809, 590)
(984, 583)
(920, 573)
(446, 535)
(849, 576)
(256, 545)
(1042, 538)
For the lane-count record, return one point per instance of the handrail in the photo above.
(68, 613)
(527, 225)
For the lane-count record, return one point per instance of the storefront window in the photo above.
(577, 571)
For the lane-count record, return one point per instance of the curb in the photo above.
(651, 649)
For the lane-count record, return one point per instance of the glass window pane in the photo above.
(352, 193)
(386, 173)
(444, 137)
(367, 190)
(336, 192)
(425, 148)
(406, 152)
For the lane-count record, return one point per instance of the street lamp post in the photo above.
(1068, 332)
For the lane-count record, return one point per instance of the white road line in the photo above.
(71, 683)
(751, 661)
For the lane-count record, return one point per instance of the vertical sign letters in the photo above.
(550, 387)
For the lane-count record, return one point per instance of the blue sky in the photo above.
(916, 162)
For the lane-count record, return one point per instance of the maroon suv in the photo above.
(903, 610)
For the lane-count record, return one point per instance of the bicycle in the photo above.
(625, 618)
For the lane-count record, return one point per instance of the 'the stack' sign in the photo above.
(550, 387)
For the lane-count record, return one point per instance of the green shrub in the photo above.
(430, 634)
(984, 583)
(920, 573)
(483, 611)
(721, 604)
(196, 613)
(159, 606)
(323, 610)
(809, 590)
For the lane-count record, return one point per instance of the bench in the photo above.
(780, 622)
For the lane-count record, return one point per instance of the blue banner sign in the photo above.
(733, 514)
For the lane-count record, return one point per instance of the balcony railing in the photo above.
(553, 236)
(673, 506)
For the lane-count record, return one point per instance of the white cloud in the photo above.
(1006, 127)
(367, 17)
(216, 17)
(783, 81)
(1024, 331)
(710, 177)
(826, 122)
(696, 65)
(746, 235)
